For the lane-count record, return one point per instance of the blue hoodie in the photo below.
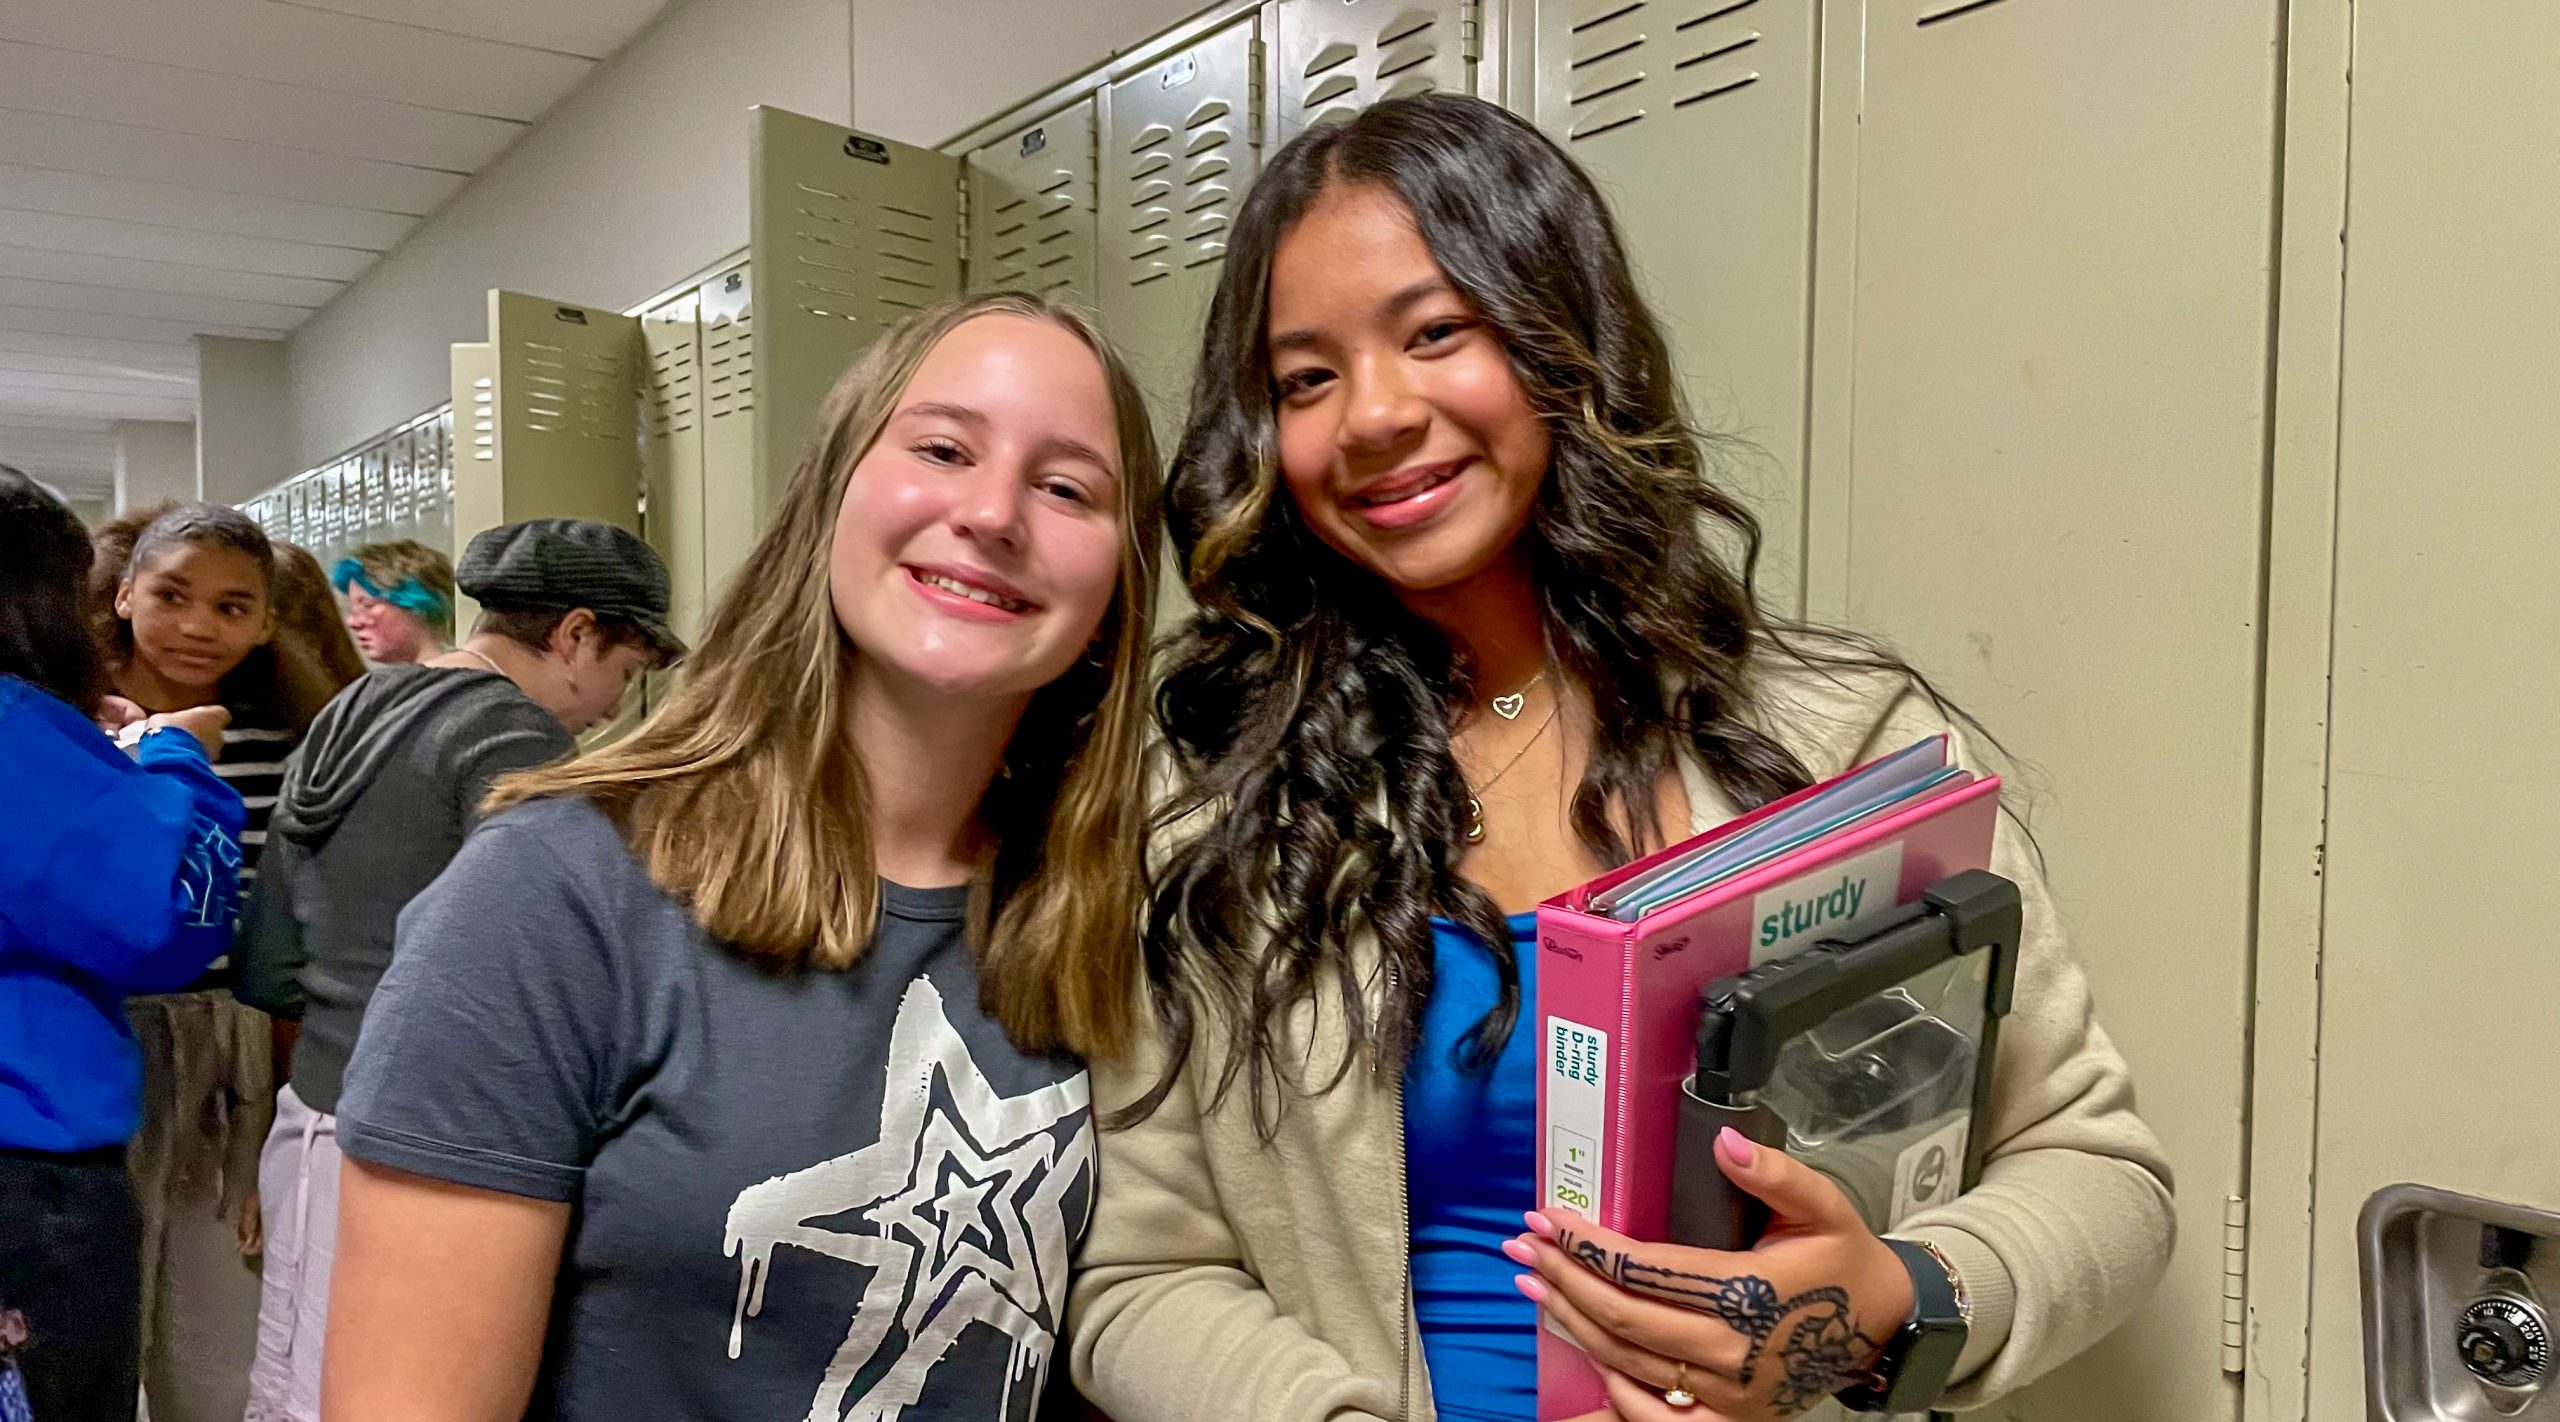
(117, 876)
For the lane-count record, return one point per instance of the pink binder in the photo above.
(1618, 1005)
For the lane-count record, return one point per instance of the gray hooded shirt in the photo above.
(375, 803)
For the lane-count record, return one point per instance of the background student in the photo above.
(399, 600)
(117, 876)
(375, 803)
(195, 606)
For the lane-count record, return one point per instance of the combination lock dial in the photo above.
(2503, 1341)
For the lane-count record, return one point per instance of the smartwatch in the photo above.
(1920, 1359)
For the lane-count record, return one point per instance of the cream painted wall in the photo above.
(244, 417)
(924, 72)
(155, 460)
(637, 179)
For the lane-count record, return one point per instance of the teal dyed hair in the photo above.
(408, 594)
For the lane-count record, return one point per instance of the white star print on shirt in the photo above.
(963, 1213)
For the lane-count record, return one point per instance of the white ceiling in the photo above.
(170, 167)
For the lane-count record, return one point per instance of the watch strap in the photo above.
(1920, 1358)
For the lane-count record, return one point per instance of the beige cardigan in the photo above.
(1232, 1279)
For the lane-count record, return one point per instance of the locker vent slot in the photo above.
(674, 387)
(1184, 197)
(1033, 242)
(601, 407)
(484, 420)
(1396, 60)
(729, 349)
(825, 248)
(1631, 58)
(545, 394)
(1932, 13)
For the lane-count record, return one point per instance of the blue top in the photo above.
(1470, 1151)
(117, 876)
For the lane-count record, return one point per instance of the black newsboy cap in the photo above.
(561, 563)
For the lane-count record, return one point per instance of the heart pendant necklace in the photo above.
(1475, 807)
(1509, 707)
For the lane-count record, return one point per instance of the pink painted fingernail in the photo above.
(1540, 1225)
(1737, 1147)
(1520, 1253)
(1531, 1285)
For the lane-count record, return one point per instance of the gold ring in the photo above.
(1678, 1395)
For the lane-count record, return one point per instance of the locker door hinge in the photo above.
(1471, 30)
(2235, 1285)
(1254, 92)
(962, 212)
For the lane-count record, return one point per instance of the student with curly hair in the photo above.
(1476, 624)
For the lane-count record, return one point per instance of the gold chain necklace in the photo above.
(1475, 807)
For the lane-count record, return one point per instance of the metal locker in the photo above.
(1331, 58)
(1181, 147)
(338, 495)
(730, 512)
(373, 520)
(847, 234)
(671, 344)
(2054, 353)
(1031, 208)
(1696, 118)
(478, 502)
(400, 506)
(553, 416)
(440, 455)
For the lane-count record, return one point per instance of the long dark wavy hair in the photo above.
(44, 595)
(1308, 713)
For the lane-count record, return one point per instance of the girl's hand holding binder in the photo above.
(1753, 1336)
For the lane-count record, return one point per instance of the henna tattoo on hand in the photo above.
(1820, 1353)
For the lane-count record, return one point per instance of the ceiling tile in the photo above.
(14, 424)
(132, 275)
(80, 352)
(65, 320)
(22, 367)
(15, 448)
(593, 28)
(92, 406)
(161, 96)
(198, 209)
(293, 44)
(100, 237)
(143, 387)
(123, 151)
(243, 317)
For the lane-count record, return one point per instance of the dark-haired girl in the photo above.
(116, 877)
(1466, 638)
(194, 606)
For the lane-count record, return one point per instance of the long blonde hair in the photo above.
(745, 799)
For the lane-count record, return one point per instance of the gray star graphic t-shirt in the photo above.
(837, 1195)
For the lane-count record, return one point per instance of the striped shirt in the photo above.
(252, 764)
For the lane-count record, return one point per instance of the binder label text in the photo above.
(1821, 903)
(1577, 1067)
